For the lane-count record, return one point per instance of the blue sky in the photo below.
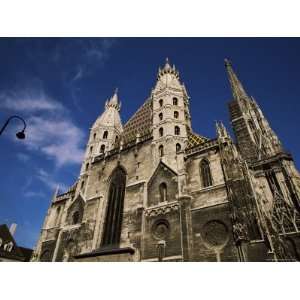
(60, 86)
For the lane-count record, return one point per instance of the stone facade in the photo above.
(154, 190)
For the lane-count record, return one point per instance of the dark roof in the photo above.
(17, 253)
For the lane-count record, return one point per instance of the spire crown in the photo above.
(113, 101)
(167, 69)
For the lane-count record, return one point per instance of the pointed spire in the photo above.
(55, 193)
(221, 130)
(236, 86)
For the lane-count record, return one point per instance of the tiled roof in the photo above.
(195, 139)
(140, 122)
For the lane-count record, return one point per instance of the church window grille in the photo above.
(105, 135)
(205, 173)
(161, 131)
(175, 101)
(177, 130)
(176, 114)
(160, 116)
(114, 211)
(178, 147)
(161, 150)
(163, 192)
(161, 102)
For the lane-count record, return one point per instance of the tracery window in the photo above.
(114, 211)
(177, 130)
(160, 116)
(161, 102)
(205, 173)
(105, 134)
(176, 114)
(161, 150)
(163, 192)
(161, 131)
(175, 101)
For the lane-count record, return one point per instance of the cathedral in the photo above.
(154, 190)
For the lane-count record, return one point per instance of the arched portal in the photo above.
(114, 212)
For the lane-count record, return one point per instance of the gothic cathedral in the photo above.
(154, 190)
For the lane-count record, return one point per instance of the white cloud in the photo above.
(43, 176)
(49, 130)
(58, 139)
(27, 102)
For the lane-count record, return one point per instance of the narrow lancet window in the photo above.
(205, 173)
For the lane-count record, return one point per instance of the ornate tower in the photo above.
(171, 117)
(104, 134)
(275, 180)
(255, 138)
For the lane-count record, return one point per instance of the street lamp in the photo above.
(21, 134)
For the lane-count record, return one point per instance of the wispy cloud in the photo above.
(50, 129)
(23, 157)
(29, 101)
(47, 179)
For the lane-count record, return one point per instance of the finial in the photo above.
(227, 62)
(116, 90)
(167, 60)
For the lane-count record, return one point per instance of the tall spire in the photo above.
(236, 86)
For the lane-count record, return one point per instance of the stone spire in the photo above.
(236, 86)
(222, 132)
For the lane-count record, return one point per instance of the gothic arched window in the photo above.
(176, 114)
(160, 116)
(94, 137)
(163, 192)
(175, 101)
(161, 102)
(205, 173)
(161, 150)
(87, 166)
(105, 134)
(75, 217)
(178, 147)
(114, 211)
(177, 130)
(161, 131)
(91, 149)
(102, 148)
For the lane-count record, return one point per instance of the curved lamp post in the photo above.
(21, 134)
